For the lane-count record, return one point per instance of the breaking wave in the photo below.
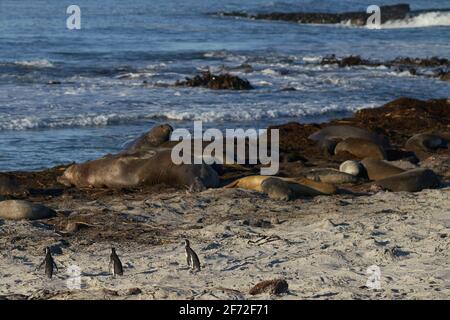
(423, 20)
(30, 123)
(428, 19)
(43, 63)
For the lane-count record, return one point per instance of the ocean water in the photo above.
(102, 101)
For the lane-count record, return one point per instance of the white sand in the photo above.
(324, 248)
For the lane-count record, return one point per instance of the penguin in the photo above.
(115, 265)
(49, 263)
(191, 257)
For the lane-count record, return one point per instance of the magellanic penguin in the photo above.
(115, 265)
(191, 257)
(49, 263)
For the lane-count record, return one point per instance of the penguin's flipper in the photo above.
(56, 266)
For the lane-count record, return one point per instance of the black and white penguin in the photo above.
(115, 265)
(191, 257)
(49, 263)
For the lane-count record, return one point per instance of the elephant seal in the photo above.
(378, 169)
(333, 176)
(344, 132)
(24, 210)
(360, 148)
(423, 144)
(298, 186)
(154, 138)
(278, 189)
(9, 186)
(139, 168)
(352, 167)
(410, 181)
(283, 189)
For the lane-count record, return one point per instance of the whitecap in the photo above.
(43, 63)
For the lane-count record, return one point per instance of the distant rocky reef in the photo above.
(358, 18)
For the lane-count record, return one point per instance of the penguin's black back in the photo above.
(49, 265)
(195, 259)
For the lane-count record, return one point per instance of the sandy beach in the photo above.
(321, 246)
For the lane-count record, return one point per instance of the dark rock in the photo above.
(110, 292)
(277, 287)
(421, 62)
(399, 64)
(134, 291)
(9, 186)
(444, 75)
(352, 61)
(409, 116)
(392, 12)
(216, 82)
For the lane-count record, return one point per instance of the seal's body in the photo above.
(410, 181)
(149, 167)
(378, 169)
(360, 148)
(284, 188)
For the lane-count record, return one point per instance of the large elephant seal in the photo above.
(345, 132)
(360, 148)
(9, 186)
(24, 210)
(379, 169)
(423, 144)
(410, 181)
(333, 176)
(154, 138)
(139, 168)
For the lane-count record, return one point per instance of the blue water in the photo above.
(102, 102)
